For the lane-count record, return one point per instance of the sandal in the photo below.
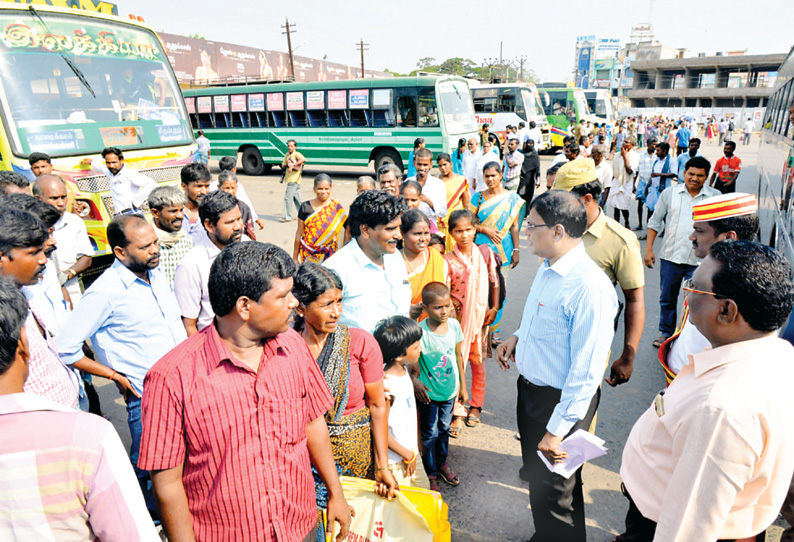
(455, 430)
(448, 475)
(496, 340)
(642, 237)
(471, 419)
(658, 342)
(434, 484)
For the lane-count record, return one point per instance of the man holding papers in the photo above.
(560, 350)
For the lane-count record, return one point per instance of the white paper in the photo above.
(581, 446)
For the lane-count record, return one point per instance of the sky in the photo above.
(399, 33)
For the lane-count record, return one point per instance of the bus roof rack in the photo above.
(237, 80)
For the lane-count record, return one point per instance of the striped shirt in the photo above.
(566, 333)
(65, 476)
(241, 435)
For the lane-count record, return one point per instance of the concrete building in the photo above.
(734, 80)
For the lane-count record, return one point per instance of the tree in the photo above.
(426, 62)
(457, 66)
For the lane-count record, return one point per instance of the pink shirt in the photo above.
(718, 463)
(366, 367)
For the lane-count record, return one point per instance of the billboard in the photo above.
(583, 69)
(199, 60)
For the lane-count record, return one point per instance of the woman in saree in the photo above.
(423, 265)
(457, 193)
(501, 213)
(352, 365)
(321, 224)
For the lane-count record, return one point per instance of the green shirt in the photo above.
(438, 364)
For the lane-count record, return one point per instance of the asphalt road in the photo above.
(492, 503)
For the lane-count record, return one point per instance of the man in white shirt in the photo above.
(603, 168)
(749, 126)
(129, 188)
(434, 193)
(471, 159)
(535, 135)
(203, 148)
(220, 215)
(74, 248)
(374, 279)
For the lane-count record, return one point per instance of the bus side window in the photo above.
(406, 111)
(428, 110)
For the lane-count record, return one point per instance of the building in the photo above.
(733, 80)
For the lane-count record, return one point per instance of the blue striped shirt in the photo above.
(566, 333)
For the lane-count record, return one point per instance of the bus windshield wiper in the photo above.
(75, 69)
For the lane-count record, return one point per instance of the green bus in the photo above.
(336, 123)
(563, 106)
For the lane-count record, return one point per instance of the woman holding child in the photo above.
(352, 365)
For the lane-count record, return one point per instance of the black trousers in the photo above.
(557, 503)
(641, 529)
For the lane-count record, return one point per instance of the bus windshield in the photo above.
(74, 86)
(456, 106)
(533, 107)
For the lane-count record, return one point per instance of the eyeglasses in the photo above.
(531, 226)
(687, 287)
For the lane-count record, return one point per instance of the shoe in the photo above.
(658, 342)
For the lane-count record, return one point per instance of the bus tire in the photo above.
(252, 162)
(388, 156)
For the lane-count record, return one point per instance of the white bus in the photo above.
(501, 104)
(602, 108)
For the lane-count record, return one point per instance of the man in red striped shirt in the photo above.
(233, 416)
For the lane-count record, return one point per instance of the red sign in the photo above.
(337, 99)
(191, 105)
(315, 99)
(275, 101)
(238, 103)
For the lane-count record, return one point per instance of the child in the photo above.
(437, 242)
(441, 381)
(227, 182)
(399, 340)
(472, 282)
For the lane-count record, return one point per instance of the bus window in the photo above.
(456, 106)
(406, 111)
(559, 103)
(428, 112)
(532, 105)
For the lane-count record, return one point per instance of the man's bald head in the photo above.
(51, 189)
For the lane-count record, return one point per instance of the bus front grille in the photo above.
(100, 183)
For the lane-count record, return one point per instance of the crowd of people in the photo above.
(254, 379)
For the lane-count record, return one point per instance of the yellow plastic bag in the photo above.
(416, 515)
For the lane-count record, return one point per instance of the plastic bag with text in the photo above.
(415, 515)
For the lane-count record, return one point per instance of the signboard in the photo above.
(381, 98)
(604, 63)
(315, 99)
(60, 140)
(256, 102)
(642, 29)
(221, 104)
(238, 103)
(608, 45)
(119, 136)
(171, 133)
(94, 6)
(583, 67)
(600, 83)
(585, 38)
(191, 105)
(359, 99)
(275, 101)
(294, 101)
(337, 99)
(204, 104)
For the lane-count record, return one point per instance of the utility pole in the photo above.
(362, 47)
(521, 61)
(501, 66)
(288, 32)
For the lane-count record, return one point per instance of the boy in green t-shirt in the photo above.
(441, 376)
